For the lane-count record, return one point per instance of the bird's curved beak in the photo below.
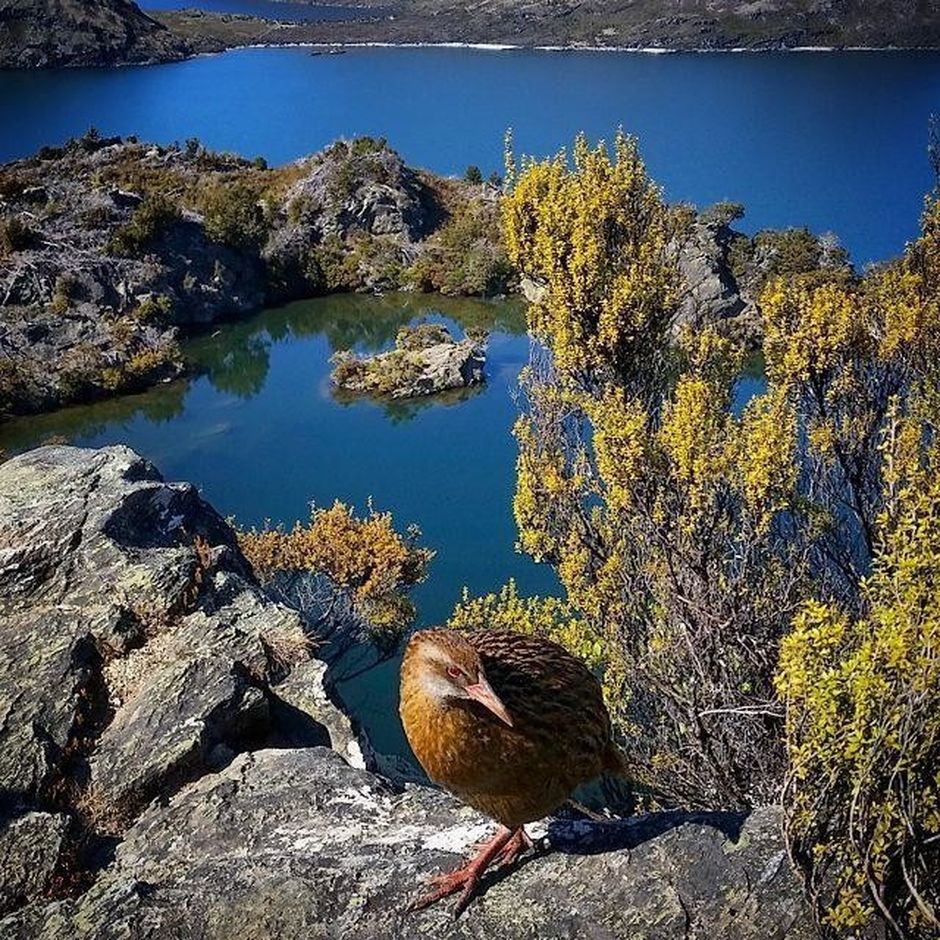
(483, 693)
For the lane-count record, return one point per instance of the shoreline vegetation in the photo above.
(112, 249)
(44, 35)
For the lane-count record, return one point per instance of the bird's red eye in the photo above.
(454, 672)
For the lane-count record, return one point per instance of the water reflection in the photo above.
(159, 405)
(236, 358)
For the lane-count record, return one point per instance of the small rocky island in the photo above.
(174, 762)
(426, 360)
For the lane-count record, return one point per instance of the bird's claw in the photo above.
(464, 880)
(503, 849)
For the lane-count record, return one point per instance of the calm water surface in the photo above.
(836, 142)
(833, 141)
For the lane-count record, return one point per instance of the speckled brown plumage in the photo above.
(560, 735)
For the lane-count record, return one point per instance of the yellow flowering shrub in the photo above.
(863, 727)
(760, 584)
(365, 556)
(629, 479)
(860, 673)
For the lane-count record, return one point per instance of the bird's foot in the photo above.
(463, 880)
(504, 848)
(518, 845)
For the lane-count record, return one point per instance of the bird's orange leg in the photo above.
(519, 844)
(505, 847)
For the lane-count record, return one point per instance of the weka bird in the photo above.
(510, 724)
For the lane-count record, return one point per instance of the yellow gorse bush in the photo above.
(757, 586)
(630, 458)
(863, 723)
(365, 556)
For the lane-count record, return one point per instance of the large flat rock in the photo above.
(296, 843)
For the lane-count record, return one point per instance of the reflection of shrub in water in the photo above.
(402, 410)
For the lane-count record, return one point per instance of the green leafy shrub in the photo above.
(723, 213)
(62, 294)
(157, 308)
(15, 235)
(466, 257)
(422, 335)
(233, 214)
(146, 223)
(360, 261)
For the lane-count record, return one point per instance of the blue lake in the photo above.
(834, 141)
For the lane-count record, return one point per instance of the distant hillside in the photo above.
(691, 23)
(39, 33)
(669, 24)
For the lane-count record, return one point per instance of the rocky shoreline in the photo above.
(54, 33)
(172, 764)
(112, 250)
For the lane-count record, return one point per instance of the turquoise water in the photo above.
(260, 432)
(833, 141)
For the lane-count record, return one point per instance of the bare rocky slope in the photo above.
(172, 766)
(44, 33)
(664, 24)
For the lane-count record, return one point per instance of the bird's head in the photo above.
(450, 670)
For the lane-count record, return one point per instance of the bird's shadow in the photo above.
(580, 836)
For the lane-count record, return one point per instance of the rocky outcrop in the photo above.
(136, 653)
(171, 765)
(362, 211)
(426, 360)
(109, 246)
(292, 843)
(712, 294)
(44, 33)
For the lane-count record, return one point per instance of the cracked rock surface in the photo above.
(137, 653)
(172, 766)
(291, 843)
